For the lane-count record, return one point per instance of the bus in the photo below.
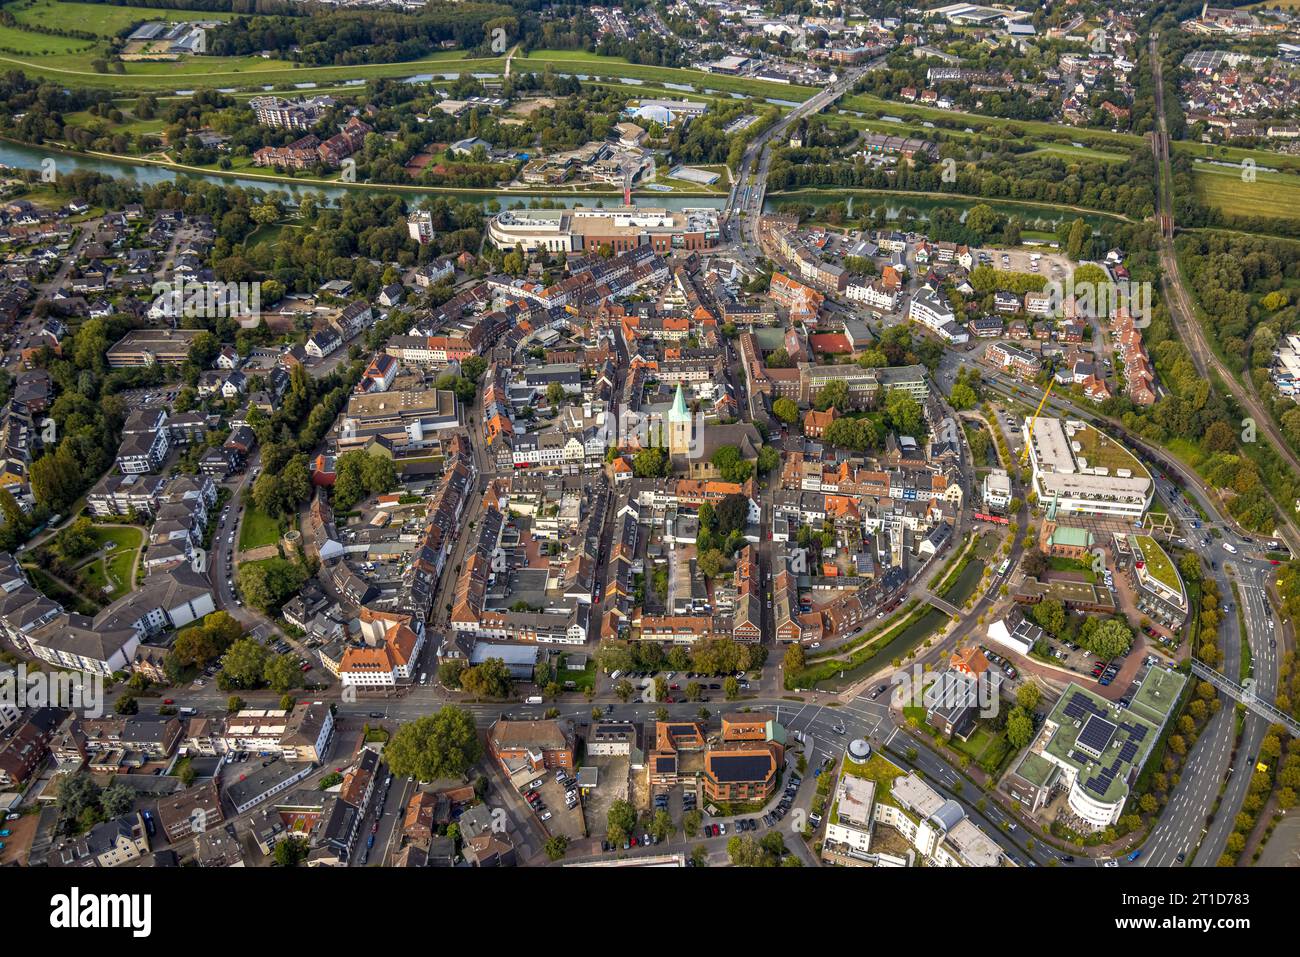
(1005, 567)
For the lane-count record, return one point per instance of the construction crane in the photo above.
(1025, 454)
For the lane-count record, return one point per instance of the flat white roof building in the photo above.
(1077, 469)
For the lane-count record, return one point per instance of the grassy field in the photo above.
(1272, 194)
(204, 72)
(112, 570)
(580, 61)
(866, 103)
(1070, 152)
(26, 43)
(258, 529)
(101, 19)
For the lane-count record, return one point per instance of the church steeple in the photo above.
(679, 425)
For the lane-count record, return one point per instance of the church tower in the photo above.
(679, 425)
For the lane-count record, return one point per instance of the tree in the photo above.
(661, 825)
(440, 745)
(556, 847)
(732, 513)
(1028, 695)
(962, 397)
(235, 703)
(787, 410)
(795, 659)
(731, 688)
(691, 821)
(1050, 614)
(127, 704)
(1111, 638)
(834, 393)
(1020, 727)
(904, 413)
(620, 821)
(491, 679)
(282, 673)
(244, 664)
(269, 583)
(290, 851)
(727, 460)
(623, 690)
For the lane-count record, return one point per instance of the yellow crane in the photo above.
(1024, 455)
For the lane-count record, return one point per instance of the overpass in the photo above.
(1245, 694)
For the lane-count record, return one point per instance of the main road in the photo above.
(1180, 827)
(745, 201)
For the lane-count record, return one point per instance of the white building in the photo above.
(420, 226)
(1079, 470)
(997, 489)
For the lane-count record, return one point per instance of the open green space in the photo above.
(1271, 194)
(101, 19)
(592, 64)
(257, 529)
(111, 574)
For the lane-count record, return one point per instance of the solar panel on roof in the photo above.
(1128, 752)
(1096, 734)
(1139, 732)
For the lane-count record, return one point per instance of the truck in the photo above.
(188, 711)
(533, 699)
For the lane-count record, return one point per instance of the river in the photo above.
(22, 156)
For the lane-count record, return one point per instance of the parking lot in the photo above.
(548, 796)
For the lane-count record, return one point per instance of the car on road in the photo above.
(1135, 855)
(168, 701)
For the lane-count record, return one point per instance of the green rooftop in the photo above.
(879, 770)
(1036, 769)
(1156, 698)
(1158, 564)
(1099, 449)
(1104, 742)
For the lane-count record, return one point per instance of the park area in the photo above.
(257, 529)
(109, 570)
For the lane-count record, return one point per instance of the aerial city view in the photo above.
(672, 433)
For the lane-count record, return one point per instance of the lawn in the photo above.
(257, 529)
(986, 748)
(581, 61)
(1271, 194)
(1079, 153)
(110, 574)
(101, 19)
(70, 600)
(583, 680)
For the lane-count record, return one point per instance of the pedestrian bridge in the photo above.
(1245, 694)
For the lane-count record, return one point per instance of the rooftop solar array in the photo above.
(1096, 734)
(1135, 731)
(1080, 706)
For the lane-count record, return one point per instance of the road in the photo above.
(745, 200)
(1179, 828)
